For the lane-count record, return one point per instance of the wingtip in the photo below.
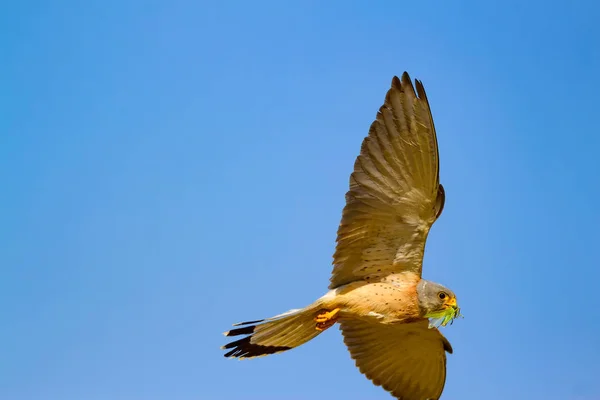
(420, 89)
(447, 346)
(398, 82)
(405, 83)
(405, 77)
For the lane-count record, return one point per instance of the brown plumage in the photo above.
(376, 292)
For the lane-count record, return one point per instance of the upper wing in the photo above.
(394, 195)
(407, 360)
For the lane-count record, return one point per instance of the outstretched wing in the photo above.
(395, 195)
(407, 360)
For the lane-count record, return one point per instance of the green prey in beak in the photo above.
(445, 316)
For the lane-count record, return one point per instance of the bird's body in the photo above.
(390, 299)
(387, 313)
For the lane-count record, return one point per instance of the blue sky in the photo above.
(170, 168)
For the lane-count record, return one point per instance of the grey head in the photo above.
(435, 299)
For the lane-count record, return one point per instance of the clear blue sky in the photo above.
(170, 168)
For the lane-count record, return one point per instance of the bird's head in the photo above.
(437, 303)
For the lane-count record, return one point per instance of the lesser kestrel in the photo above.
(388, 315)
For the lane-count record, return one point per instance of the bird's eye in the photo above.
(442, 295)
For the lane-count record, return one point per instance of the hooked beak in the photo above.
(452, 303)
(444, 317)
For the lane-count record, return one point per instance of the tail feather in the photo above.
(294, 311)
(272, 335)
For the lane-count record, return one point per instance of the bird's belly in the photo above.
(388, 303)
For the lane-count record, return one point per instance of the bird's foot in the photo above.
(326, 319)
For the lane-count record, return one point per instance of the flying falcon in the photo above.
(389, 316)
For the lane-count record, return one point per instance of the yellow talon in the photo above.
(326, 319)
